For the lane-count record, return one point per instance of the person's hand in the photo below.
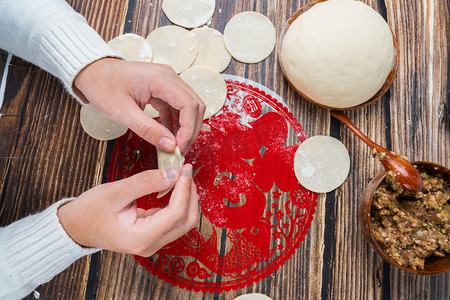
(121, 89)
(106, 216)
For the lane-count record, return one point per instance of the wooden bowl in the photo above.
(433, 265)
(381, 91)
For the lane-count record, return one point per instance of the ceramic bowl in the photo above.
(381, 91)
(433, 265)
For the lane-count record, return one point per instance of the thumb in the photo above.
(144, 183)
(148, 129)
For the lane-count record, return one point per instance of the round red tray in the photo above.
(254, 213)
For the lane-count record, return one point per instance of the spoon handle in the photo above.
(347, 122)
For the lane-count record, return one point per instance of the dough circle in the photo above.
(321, 163)
(338, 53)
(132, 47)
(98, 125)
(250, 37)
(253, 296)
(174, 46)
(211, 49)
(209, 86)
(189, 13)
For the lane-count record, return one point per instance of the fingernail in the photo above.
(187, 170)
(166, 144)
(171, 175)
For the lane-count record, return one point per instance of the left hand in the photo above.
(121, 89)
(107, 215)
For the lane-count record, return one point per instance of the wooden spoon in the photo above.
(407, 175)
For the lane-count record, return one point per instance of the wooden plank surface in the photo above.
(45, 155)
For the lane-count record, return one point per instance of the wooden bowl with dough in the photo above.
(379, 94)
(433, 265)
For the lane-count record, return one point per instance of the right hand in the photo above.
(121, 89)
(107, 217)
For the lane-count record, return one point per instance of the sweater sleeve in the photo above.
(33, 250)
(51, 35)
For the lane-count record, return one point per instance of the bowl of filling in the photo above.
(409, 230)
(338, 54)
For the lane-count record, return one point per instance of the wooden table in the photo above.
(45, 156)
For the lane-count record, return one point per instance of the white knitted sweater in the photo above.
(50, 34)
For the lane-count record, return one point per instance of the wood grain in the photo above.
(45, 155)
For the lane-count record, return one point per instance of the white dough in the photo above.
(253, 296)
(174, 46)
(338, 53)
(169, 160)
(211, 49)
(321, 163)
(132, 47)
(209, 86)
(189, 13)
(250, 37)
(98, 125)
(151, 112)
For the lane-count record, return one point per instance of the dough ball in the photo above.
(169, 160)
(321, 163)
(253, 296)
(132, 47)
(174, 46)
(209, 86)
(338, 53)
(98, 125)
(250, 37)
(211, 49)
(151, 112)
(189, 13)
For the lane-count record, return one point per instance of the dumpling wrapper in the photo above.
(321, 163)
(132, 47)
(253, 296)
(174, 46)
(151, 112)
(189, 13)
(169, 160)
(98, 125)
(211, 49)
(250, 37)
(209, 86)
